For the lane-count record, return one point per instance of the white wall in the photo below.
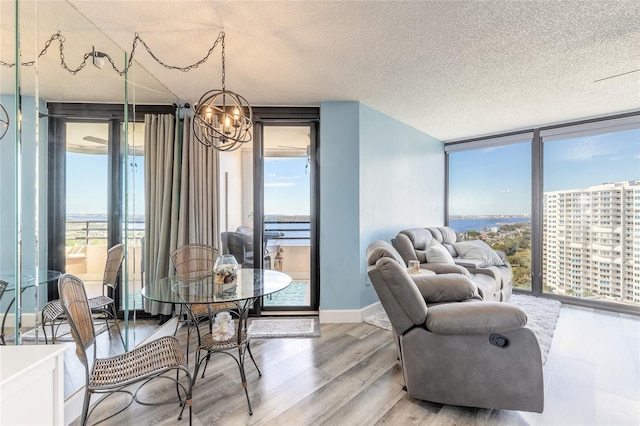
(231, 213)
(378, 176)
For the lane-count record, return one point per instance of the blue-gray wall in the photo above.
(378, 176)
(8, 221)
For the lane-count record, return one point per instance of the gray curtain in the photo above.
(200, 199)
(181, 196)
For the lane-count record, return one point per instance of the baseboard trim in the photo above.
(348, 315)
(73, 404)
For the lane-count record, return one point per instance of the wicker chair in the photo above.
(104, 305)
(3, 287)
(192, 262)
(116, 374)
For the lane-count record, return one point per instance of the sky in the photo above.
(87, 184)
(497, 181)
(491, 181)
(287, 186)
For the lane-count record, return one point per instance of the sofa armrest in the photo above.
(467, 263)
(474, 318)
(445, 268)
(445, 287)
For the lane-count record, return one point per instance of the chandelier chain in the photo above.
(223, 72)
(61, 40)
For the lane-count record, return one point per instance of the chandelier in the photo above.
(223, 119)
(4, 121)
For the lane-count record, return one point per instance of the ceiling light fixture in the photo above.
(4, 121)
(223, 119)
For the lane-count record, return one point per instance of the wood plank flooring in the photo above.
(350, 376)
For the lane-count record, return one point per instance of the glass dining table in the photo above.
(28, 281)
(251, 284)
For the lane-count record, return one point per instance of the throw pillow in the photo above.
(478, 250)
(437, 253)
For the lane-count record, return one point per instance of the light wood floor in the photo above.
(350, 376)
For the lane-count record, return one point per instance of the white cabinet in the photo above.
(31, 385)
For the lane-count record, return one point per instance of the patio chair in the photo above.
(104, 305)
(116, 374)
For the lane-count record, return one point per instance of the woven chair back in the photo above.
(76, 308)
(115, 255)
(194, 261)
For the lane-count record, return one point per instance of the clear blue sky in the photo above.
(482, 182)
(87, 184)
(497, 180)
(287, 186)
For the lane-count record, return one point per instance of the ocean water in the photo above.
(299, 232)
(483, 224)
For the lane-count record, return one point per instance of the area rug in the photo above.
(63, 333)
(542, 316)
(264, 328)
(293, 295)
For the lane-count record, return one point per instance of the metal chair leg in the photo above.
(115, 320)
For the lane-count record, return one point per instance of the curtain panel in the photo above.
(181, 196)
(200, 199)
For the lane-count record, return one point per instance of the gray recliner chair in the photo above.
(475, 354)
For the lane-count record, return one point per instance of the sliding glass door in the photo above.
(268, 204)
(287, 189)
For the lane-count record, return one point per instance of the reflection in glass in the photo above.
(87, 198)
(133, 226)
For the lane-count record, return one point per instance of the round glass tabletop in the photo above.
(251, 284)
(28, 280)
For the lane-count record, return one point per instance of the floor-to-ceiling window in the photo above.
(591, 212)
(490, 198)
(578, 236)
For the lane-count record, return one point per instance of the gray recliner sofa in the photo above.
(475, 354)
(487, 268)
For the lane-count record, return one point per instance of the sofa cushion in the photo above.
(437, 253)
(478, 250)
(488, 287)
(444, 234)
(379, 249)
(419, 237)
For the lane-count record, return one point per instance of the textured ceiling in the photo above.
(451, 69)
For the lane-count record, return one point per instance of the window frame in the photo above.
(605, 124)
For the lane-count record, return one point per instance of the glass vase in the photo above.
(225, 275)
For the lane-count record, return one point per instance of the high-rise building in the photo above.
(591, 241)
